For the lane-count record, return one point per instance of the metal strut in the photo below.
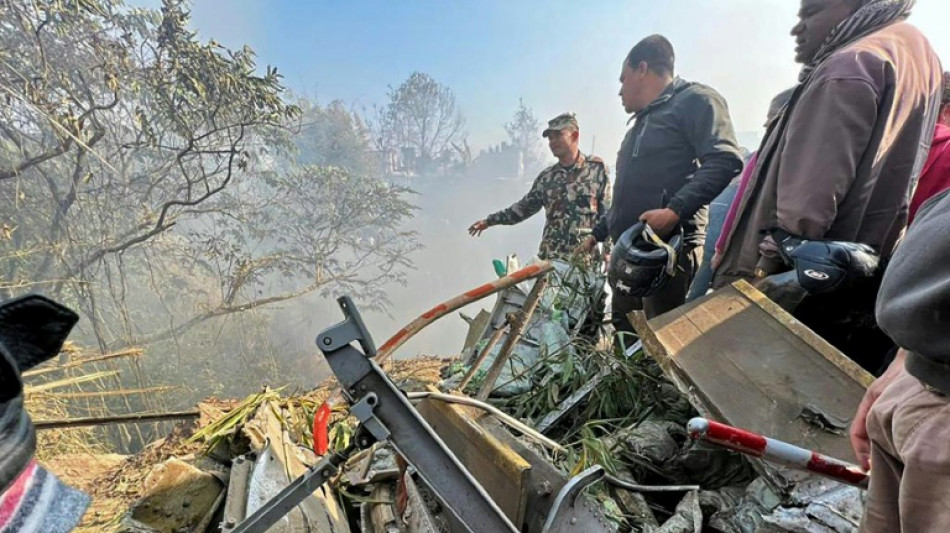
(385, 412)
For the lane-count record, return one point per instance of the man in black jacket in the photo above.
(680, 154)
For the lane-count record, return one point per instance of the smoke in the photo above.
(451, 262)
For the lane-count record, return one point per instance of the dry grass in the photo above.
(84, 384)
(53, 443)
(117, 487)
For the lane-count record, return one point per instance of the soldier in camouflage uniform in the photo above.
(574, 193)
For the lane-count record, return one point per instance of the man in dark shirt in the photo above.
(679, 155)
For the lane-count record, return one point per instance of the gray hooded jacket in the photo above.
(913, 306)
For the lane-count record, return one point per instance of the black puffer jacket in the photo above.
(681, 153)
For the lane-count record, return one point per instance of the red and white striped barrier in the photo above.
(776, 451)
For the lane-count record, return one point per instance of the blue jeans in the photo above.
(718, 209)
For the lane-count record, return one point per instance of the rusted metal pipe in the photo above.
(531, 271)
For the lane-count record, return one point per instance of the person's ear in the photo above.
(642, 69)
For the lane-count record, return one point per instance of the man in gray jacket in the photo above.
(840, 163)
(680, 154)
(906, 412)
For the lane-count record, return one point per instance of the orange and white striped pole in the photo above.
(458, 302)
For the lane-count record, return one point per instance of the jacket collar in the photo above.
(578, 163)
(675, 87)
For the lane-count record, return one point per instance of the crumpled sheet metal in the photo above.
(542, 336)
(688, 517)
(819, 506)
(178, 496)
(279, 462)
(662, 446)
(564, 305)
(813, 506)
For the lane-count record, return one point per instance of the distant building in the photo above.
(502, 160)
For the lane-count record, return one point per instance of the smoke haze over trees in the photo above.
(422, 121)
(179, 197)
(171, 191)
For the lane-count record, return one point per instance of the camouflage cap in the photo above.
(946, 89)
(561, 122)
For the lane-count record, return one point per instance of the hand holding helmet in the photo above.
(641, 262)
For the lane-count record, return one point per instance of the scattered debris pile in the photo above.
(536, 358)
(166, 486)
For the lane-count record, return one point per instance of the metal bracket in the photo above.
(363, 410)
(387, 415)
(566, 515)
(351, 329)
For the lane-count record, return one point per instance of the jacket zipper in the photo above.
(643, 131)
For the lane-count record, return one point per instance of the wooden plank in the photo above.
(813, 339)
(746, 362)
(502, 472)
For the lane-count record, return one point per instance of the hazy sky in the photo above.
(557, 55)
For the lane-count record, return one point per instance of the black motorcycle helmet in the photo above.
(641, 263)
(827, 266)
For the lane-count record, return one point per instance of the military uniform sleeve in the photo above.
(522, 209)
(708, 129)
(603, 204)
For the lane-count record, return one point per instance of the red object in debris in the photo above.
(834, 469)
(321, 431)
